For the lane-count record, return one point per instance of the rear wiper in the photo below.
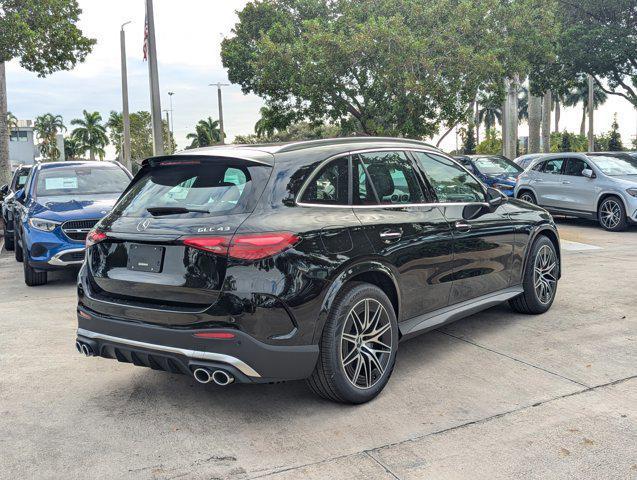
(155, 211)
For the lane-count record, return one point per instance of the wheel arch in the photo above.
(551, 233)
(604, 195)
(525, 188)
(374, 272)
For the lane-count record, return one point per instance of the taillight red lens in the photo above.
(218, 245)
(94, 236)
(215, 335)
(253, 246)
(260, 245)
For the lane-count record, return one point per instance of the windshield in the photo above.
(80, 181)
(196, 188)
(616, 165)
(496, 166)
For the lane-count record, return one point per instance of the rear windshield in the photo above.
(80, 181)
(205, 188)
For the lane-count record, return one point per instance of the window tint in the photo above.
(449, 182)
(213, 188)
(330, 185)
(553, 166)
(574, 167)
(392, 179)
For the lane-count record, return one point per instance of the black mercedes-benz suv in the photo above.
(308, 260)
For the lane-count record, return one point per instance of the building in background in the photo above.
(23, 149)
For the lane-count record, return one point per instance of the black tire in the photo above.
(531, 302)
(9, 243)
(330, 379)
(611, 214)
(32, 277)
(19, 256)
(527, 196)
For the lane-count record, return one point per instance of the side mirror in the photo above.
(495, 198)
(588, 173)
(19, 195)
(4, 189)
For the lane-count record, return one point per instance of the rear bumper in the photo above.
(179, 351)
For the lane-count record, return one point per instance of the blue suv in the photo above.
(494, 170)
(55, 210)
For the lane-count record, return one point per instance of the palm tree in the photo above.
(90, 134)
(12, 122)
(72, 149)
(489, 109)
(47, 127)
(207, 133)
(265, 126)
(580, 94)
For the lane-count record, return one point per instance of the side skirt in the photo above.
(423, 323)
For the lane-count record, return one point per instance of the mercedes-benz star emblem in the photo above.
(143, 225)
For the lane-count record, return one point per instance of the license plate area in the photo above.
(145, 258)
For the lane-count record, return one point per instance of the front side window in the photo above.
(330, 185)
(80, 181)
(387, 178)
(574, 167)
(553, 166)
(450, 182)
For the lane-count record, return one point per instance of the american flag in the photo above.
(146, 38)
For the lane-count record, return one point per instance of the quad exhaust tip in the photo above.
(84, 349)
(220, 377)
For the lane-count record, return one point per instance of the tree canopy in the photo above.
(386, 67)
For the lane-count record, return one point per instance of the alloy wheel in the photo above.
(545, 274)
(366, 343)
(527, 197)
(610, 214)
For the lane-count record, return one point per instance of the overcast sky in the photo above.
(188, 44)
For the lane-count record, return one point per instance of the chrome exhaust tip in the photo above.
(202, 375)
(78, 346)
(86, 350)
(222, 378)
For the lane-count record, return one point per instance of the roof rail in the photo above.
(291, 147)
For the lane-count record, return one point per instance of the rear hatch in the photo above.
(164, 245)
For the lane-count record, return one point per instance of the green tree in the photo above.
(384, 64)
(565, 144)
(207, 132)
(579, 93)
(468, 140)
(44, 37)
(492, 144)
(600, 38)
(90, 134)
(72, 149)
(141, 135)
(490, 108)
(47, 127)
(295, 132)
(615, 138)
(12, 122)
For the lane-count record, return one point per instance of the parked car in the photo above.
(17, 182)
(309, 260)
(55, 210)
(599, 186)
(524, 161)
(495, 171)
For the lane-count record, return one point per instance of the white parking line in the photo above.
(576, 246)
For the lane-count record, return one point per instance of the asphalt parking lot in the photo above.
(497, 395)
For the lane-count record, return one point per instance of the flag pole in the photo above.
(126, 153)
(153, 76)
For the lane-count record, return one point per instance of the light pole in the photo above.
(172, 117)
(153, 77)
(591, 113)
(219, 100)
(126, 153)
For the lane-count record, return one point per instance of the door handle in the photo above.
(390, 235)
(566, 182)
(539, 180)
(462, 226)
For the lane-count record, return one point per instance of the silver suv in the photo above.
(599, 186)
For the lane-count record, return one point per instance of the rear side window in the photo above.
(390, 176)
(553, 166)
(330, 185)
(195, 188)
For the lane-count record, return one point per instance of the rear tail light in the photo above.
(215, 335)
(254, 246)
(94, 236)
